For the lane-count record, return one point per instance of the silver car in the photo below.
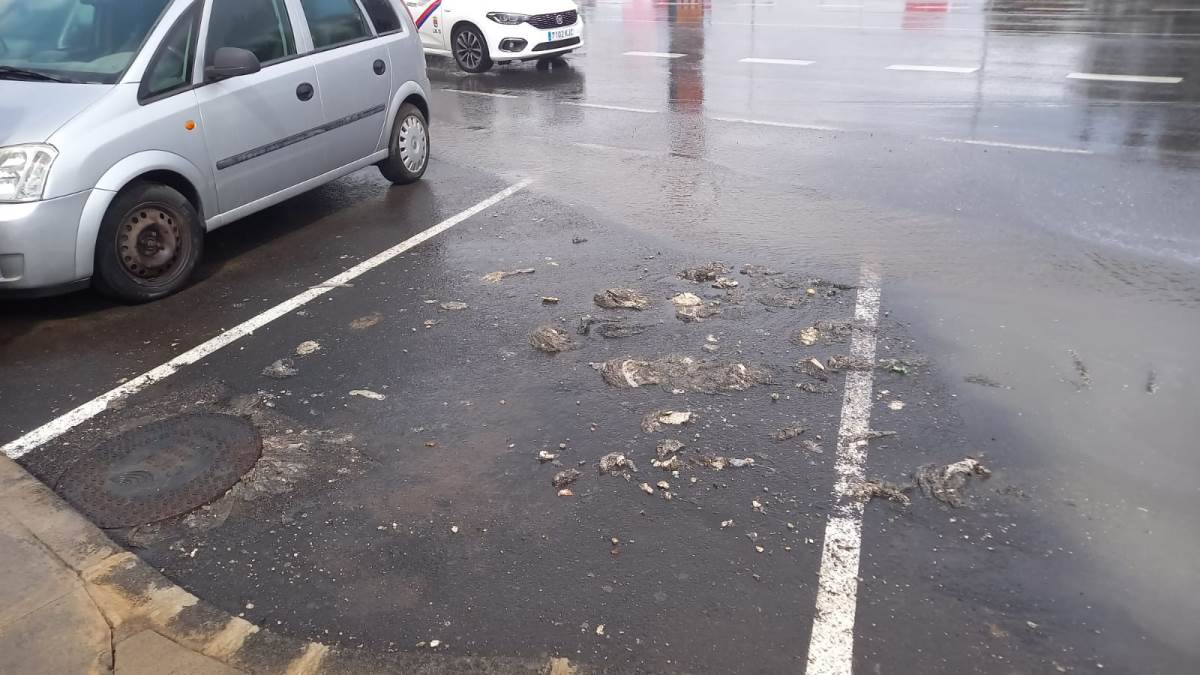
(129, 128)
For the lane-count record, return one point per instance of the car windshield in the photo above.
(79, 40)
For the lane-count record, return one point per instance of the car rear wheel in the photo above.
(471, 50)
(409, 147)
(149, 244)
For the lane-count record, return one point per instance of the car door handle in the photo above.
(379, 67)
(305, 91)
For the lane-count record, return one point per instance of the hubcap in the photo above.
(469, 49)
(151, 243)
(413, 143)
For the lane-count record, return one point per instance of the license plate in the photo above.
(561, 34)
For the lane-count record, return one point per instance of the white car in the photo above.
(481, 33)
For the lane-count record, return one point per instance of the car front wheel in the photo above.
(149, 244)
(471, 50)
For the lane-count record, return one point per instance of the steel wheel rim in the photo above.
(412, 143)
(469, 49)
(152, 244)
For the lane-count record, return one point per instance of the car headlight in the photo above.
(23, 171)
(508, 18)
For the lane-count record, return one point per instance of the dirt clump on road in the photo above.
(709, 272)
(946, 483)
(551, 339)
(681, 374)
(622, 298)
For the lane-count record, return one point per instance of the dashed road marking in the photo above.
(777, 62)
(1102, 77)
(933, 69)
(831, 645)
(1014, 146)
(480, 93)
(61, 425)
(768, 123)
(609, 107)
(657, 55)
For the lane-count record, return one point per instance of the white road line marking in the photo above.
(933, 69)
(767, 123)
(61, 425)
(907, 29)
(1014, 146)
(1151, 79)
(657, 55)
(831, 646)
(609, 107)
(480, 93)
(612, 148)
(778, 62)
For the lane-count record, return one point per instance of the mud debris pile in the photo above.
(682, 374)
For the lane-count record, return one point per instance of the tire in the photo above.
(470, 49)
(408, 147)
(150, 242)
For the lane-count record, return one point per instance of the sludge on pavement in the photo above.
(456, 442)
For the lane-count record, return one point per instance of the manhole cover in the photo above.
(161, 469)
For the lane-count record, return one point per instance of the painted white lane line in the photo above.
(596, 147)
(480, 93)
(777, 62)
(1014, 146)
(767, 123)
(933, 69)
(1102, 77)
(656, 55)
(59, 426)
(609, 107)
(831, 645)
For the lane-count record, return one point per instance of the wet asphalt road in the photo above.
(1018, 217)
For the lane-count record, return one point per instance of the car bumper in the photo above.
(538, 43)
(37, 243)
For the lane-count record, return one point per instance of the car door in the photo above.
(259, 127)
(427, 15)
(353, 74)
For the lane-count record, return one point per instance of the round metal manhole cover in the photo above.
(162, 469)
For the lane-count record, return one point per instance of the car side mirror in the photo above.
(231, 62)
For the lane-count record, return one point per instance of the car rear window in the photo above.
(334, 22)
(383, 15)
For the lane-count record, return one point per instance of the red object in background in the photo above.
(927, 7)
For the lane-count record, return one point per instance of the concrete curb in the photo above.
(135, 599)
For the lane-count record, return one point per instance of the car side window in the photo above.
(260, 26)
(383, 15)
(171, 68)
(334, 22)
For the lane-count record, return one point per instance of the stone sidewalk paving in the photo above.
(49, 620)
(72, 601)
